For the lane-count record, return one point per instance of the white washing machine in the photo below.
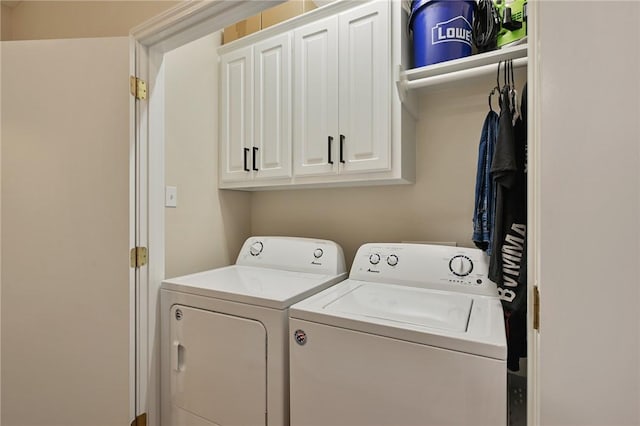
(224, 356)
(414, 337)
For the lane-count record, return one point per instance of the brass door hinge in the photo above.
(138, 87)
(138, 257)
(141, 420)
(536, 308)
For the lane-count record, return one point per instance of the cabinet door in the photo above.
(271, 151)
(236, 123)
(365, 85)
(316, 98)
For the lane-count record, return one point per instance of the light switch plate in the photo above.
(171, 196)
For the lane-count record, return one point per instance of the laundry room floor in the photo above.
(517, 399)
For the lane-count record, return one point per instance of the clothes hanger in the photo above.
(495, 90)
(506, 74)
(505, 99)
(515, 105)
(497, 87)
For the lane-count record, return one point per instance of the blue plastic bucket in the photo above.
(441, 30)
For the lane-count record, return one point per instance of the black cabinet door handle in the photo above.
(342, 149)
(255, 154)
(329, 143)
(246, 152)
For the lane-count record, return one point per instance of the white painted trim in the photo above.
(192, 20)
(176, 27)
(534, 93)
(141, 204)
(132, 237)
(155, 216)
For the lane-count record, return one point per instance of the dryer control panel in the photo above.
(425, 266)
(293, 254)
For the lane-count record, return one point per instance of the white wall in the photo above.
(65, 232)
(589, 213)
(438, 207)
(208, 227)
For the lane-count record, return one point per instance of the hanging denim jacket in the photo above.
(483, 213)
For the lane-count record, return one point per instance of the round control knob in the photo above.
(318, 253)
(392, 260)
(255, 248)
(461, 265)
(374, 259)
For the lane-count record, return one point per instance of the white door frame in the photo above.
(534, 91)
(149, 42)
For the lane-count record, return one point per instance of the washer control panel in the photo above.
(293, 254)
(427, 266)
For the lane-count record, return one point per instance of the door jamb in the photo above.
(149, 42)
(534, 78)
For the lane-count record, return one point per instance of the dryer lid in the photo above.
(266, 287)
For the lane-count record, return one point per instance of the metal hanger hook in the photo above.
(493, 91)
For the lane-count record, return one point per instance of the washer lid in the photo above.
(466, 323)
(266, 287)
(406, 305)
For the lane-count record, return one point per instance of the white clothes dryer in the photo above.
(415, 336)
(224, 347)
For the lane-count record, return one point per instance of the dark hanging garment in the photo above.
(516, 328)
(507, 267)
(483, 211)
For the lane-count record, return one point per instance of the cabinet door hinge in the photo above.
(138, 257)
(138, 87)
(536, 308)
(141, 420)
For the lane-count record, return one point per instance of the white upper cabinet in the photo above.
(364, 89)
(312, 101)
(271, 151)
(236, 106)
(342, 106)
(315, 114)
(255, 133)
